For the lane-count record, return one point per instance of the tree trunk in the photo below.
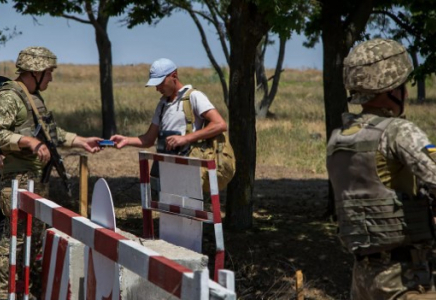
(420, 89)
(106, 86)
(335, 96)
(246, 29)
(261, 79)
(338, 36)
(262, 111)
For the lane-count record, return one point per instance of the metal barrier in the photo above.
(177, 208)
(175, 279)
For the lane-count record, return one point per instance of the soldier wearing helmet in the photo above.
(381, 167)
(25, 154)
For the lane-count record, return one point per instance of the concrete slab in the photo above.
(133, 287)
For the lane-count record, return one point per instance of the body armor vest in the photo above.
(371, 216)
(17, 161)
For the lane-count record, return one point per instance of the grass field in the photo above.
(295, 137)
(290, 231)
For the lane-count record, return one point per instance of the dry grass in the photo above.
(294, 137)
(290, 189)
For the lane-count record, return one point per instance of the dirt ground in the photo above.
(290, 230)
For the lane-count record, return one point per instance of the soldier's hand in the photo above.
(41, 150)
(36, 146)
(90, 144)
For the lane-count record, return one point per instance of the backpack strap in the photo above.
(187, 109)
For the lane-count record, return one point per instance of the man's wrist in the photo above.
(69, 139)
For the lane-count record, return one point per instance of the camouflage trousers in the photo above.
(385, 279)
(37, 234)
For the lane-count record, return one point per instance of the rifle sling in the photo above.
(35, 111)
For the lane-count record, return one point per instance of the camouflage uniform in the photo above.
(381, 276)
(392, 249)
(22, 164)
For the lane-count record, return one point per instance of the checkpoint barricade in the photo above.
(181, 199)
(175, 279)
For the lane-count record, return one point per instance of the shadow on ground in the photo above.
(290, 233)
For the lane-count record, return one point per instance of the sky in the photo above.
(175, 37)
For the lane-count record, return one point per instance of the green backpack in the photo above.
(217, 148)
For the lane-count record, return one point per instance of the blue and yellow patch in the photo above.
(431, 148)
(430, 151)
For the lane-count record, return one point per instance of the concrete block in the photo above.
(66, 276)
(63, 268)
(133, 287)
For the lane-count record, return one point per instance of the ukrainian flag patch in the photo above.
(431, 148)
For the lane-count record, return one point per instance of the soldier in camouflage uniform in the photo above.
(25, 155)
(375, 162)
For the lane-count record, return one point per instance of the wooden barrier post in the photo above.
(299, 285)
(83, 194)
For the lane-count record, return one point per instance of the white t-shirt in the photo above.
(173, 116)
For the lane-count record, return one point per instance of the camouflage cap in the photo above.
(35, 59)
(374, 67)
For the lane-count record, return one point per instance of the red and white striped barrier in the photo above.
(24, 285)
(175, 279)
(56, 281)
(148, 205)
(13, 244)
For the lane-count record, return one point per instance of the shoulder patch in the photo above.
(430, 148)
(430, 151)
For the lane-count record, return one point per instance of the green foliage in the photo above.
(346, 9)
(146, 9)
(285, 16)
(53, 8)
(414, 21)
(142, 11)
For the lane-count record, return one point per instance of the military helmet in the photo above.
(35, 59)
(374, 67)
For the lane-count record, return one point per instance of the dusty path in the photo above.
(290, 232)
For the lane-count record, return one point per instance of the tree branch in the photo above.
(210, 55)
(398, 21)
(222, 36)
(93, 20)
(356, 21)
(76, 19)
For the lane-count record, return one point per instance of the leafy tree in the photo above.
(216, 13)
(97, 14)
(339, 23)
(248, 24)
(241, 26)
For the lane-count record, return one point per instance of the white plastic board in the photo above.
(181, 180)
(105, 271)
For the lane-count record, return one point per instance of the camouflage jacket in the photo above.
(13, 113)
(404, 142)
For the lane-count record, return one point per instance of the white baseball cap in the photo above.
(160, 69)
